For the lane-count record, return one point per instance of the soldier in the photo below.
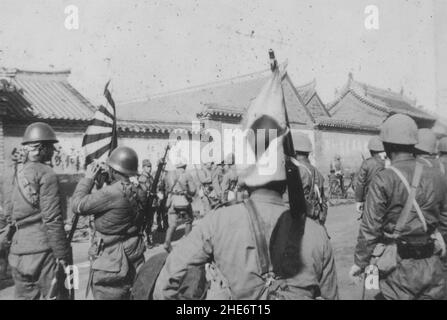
(162, 219)
(118, 210)
(369, 168)
(400, 222)
(180, 189)
(145, 180)
(229, 185)
(33, 205)
(209, 186)
(226, 238)
(336, 168)
(425, 149)
(311, 178)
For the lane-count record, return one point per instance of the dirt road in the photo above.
(342, 227)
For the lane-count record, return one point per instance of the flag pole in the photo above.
(297, 201)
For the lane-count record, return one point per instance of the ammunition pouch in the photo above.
(415, 250)
(385, 257)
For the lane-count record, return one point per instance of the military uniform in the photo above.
(118, 209)
(224, 236)
(412, 278)
(210, 195)
(180, 188)
(432, 162)
(368, 170)
(313, 187)
(33, 205)
(145, 181)
(229, 185)
(117, 221)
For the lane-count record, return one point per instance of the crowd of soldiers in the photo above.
(402, 205)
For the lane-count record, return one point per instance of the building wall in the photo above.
(351, 146)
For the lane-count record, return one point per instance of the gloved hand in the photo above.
(355, 273)
(359, 206)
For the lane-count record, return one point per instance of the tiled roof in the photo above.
(383, 100)
(146, 127)
(329, 123)
(230, 97)
(307, 90)
(42, 95)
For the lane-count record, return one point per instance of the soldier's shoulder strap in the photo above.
(299, 164)
(258, 233)
(27, 190)
(227, 204)
(411, 200)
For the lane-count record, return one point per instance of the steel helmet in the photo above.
(426, 141)
(399, 129)
(39, 132)
(375, 144)
(442, 146)
(147, 163)
(301, 142)
(124, 160)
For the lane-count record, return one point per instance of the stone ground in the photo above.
(342, 226)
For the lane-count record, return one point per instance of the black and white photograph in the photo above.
(223, 150)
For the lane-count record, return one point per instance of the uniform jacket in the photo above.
(229, 181)
(176, 183)
(145, 180)
(43, 225)
(117, 221)
(209, 179)
(432, 162)
(114, 213)
(225, 237)
(310, 176)
(369, 168)
(385, 200)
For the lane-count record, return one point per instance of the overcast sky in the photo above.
(149, 47)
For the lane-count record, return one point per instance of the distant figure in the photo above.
(336, 168)
(368, 170)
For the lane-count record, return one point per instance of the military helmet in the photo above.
(147, 163)
(124, 160)
(399, 129)
(39, 132)
(301, 142)
(180, 164)
(375, 144)
(426, 141)
(442, 145)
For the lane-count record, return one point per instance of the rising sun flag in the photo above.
(100, 138)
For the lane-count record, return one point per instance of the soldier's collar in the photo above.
(403, 157)
(266, 195)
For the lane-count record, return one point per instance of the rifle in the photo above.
(153, 191)
(294, 185)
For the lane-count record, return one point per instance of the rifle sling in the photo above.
(259, 236)
(22, 193)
